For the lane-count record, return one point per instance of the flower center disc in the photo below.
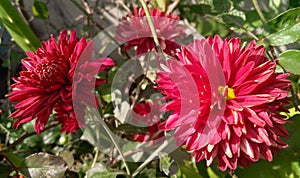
(230, 94)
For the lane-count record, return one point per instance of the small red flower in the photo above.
(135, 31)
(147, 113)
(46, 82)
(251, 126)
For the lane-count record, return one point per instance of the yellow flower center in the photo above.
(230, 94)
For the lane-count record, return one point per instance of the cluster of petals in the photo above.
(45, 86)
(250, 127)
(135, 31)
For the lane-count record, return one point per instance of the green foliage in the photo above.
(285, 36)
(222, 5)
(16, 26)
(284, 20)
(44, 165)
(40, 9)
(290, 60)
(100, 170)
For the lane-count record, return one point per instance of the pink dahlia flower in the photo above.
(46, 82)
(135, 31)
(250, 126)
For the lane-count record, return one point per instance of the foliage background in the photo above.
(273, 23)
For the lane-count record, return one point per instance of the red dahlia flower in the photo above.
(147, 113)
(135, 31)
(46, 82)
(250, 127)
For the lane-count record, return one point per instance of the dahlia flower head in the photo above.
(250, 126)
(134, 30)
(49, 82)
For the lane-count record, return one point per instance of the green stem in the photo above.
(95, 157)
(4, 128)
(150, 158)
(106, 128)
(257, 8)
(151, 25)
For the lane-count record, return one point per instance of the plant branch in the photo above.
(151, 25)
(150, 158)
(95, 157)
(90, 17)
(240, 26)
(257, 8)
(12, 164)
(23, 137)
(106, 128)
(173, 6)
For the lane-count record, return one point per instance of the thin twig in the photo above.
(257, 8)
(152, 28)
(95, 157)
(149, 19)
(240, 26)
(90, 17)
(12, 164)
(123, 5)
(24, 136)
(150, 158)
(173, 6)
(106, 128)
(9, 70)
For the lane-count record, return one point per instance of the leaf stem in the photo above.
(106, 128)
(152, 27)
(95, 157)
(150, 158)
(240, 26)
(257, 8)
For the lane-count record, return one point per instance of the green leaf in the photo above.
(202, 168)
(4, 170)
(199, 9)
(67, 156)
(285, 19)
(167, 164)
(285, 36)
(44, 165)
(296, 168)
(17, 28)
(234, 18)
(40, 9)
(147, 173)
(290, 61)
(222, 5)
(101, 171)
(17, 161)
(189, 170)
